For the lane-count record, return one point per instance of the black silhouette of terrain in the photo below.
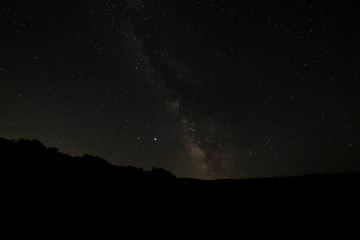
(49, 194)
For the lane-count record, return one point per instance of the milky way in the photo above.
(204, 156)
(206, 89)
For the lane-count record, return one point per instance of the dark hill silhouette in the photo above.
(49, 194)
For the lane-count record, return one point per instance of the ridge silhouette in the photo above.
(50, 194)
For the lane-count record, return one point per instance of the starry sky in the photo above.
(205, 89)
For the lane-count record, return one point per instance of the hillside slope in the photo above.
(50, 194)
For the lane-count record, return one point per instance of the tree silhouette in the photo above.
(161, 174)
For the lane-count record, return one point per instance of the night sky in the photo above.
(205, 89)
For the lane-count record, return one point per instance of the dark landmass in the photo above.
(49, 194)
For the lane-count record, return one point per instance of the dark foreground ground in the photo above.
(46, 194)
